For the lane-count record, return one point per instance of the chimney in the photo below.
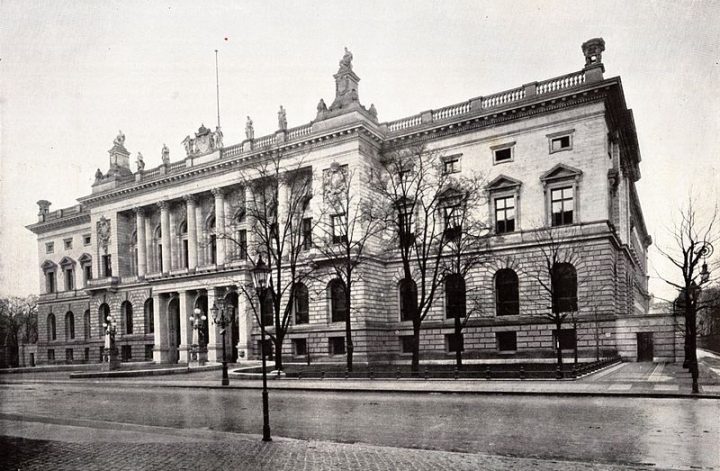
(44, 210)
(594, 68)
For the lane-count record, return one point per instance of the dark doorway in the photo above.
(204, 330)
(232, 300)
(645, 346)
(174, 336)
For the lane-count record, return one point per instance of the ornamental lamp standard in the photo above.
(110, 326)
(260, 279)
(196, 320)
(222, 316)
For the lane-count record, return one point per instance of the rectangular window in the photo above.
(504, 214)
(107, 265)
(506, 341)
(454, 342)
(452, 217)
(68, 243)
(126, 352)
(560, 143)
(69, 279)
(149, 351)
(185, 254)
(87, 273)
(50, 281)
(86, 356)
(51, 355)
(69, 355)
(451, 164)
(299, 347)
(242, 244)
(49, 247)
(406, 343)
(86, 239)
(562, 206)
(406, 223)
(307, 234)
(338, 228)
(503, 153)
(337, 345)
(567, 339)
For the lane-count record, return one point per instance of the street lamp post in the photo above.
(260, 277)
(704, 251)
(110, 326)
(196, 319)
(222, 315)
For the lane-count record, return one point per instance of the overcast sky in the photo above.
(73, 73)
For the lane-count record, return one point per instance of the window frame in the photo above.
(556, 136)
(334, 284)
(501, 147)
(498, 302)
(296, 343)
(49, 247)
(338, 238)
(401, 304)
(332, 350)
(562, 201)
(455, 161)
(68, 243)
(296, 305)
(455, 296)
(504, 196)
(561, 176)
(499, 340)
(87, 240)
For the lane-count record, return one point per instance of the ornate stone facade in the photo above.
(156, 244)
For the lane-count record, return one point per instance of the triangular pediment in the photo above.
(48, 265)
(560, 172)
(67, 261)
(85, 258)
(503, 182)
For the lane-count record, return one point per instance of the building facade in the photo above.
(559, 156)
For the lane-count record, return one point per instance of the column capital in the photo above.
(162, 204)
(218, 192)
(190, 198)
(139, 210)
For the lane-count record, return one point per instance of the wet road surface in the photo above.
(661, 432)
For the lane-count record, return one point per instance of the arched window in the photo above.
(507, 293)
(455, 296)
(338, 306)
(51, 327)
(69, 325)
(408, 299)
(302, 304)
(184, 247)
(86, 324)
(126, 310)
(103, 314)
(564, 288)
(149, 316)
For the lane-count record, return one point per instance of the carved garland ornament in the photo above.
(103, 233)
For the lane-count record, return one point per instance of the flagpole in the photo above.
(217, 87)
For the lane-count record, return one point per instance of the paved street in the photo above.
(667, 433)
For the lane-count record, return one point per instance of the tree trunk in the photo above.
(558, 326)
(278, 352)
(459, 343)
(415, 365)
(348, 332)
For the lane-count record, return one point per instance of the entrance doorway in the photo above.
(644, 346)
(174, 337)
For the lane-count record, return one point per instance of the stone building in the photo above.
(150, 246)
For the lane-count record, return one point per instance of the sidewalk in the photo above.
(668, 380)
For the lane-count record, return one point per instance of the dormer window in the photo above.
(503, 153)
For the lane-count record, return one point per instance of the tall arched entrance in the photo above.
(174, 337)
(232, 300)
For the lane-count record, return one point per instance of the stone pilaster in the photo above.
(161, 350)
(141, 243)
(186, 308)
(165, 230)
(214, 345)
(219, 226)
(192, 232)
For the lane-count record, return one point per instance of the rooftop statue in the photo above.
(346, 61)
(120, 139)
(165, 154)
(249, 129)
(218, 137)
(202, 131)
(140, 162)
(321, 106)
(282, 119)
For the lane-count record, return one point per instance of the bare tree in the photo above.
(345, 233)
(18, 321)
(417, 187)
(693, 241)
(556, 274)
(276, 212)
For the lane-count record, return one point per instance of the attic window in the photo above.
(49, 247)
(86, 239)
(503, 153)
(560, 141)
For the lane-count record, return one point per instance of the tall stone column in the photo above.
(161, 350)
(214, 345)
(165, 229)
(149, 259)
(220, 225)
(141, 243)
(186, 309)
(244, 317)
(192, 232)
(250, 223)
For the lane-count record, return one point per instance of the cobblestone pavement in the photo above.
(253, 454)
